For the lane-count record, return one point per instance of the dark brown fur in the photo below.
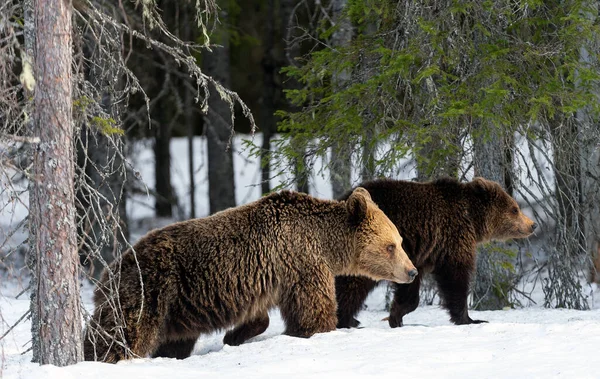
(229, 269)
(441, 223)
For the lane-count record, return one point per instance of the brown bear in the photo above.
(440, 222)
(229, 269)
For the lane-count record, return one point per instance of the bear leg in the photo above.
(406, 300)
(137, 340)
(179, 349)
(309, 307)
(351, 293)
(247, 330)
(142, 336)
(453, 282)
(104, 338)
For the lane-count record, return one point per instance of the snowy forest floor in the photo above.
(524, 343)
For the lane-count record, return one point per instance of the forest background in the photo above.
(344, 89)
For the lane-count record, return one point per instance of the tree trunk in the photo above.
(189, 120)
(369, 167)
(287, 8)
(340, 168)
(187, 34)
(431, 166)
(165, 197)
(367, 68)
(567, 245)
(341, 154)
(166, 115)
(29, 40)
(101, 155)
(268, 123)
(218, 128)
(590, 167)
(105, 223)
(52, 209)
(493, 282)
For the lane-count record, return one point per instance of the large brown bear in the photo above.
(440, 222)
(230, 268)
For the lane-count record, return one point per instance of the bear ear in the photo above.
(357, 205)
(480, 180)
(484, 188)
(482, 183)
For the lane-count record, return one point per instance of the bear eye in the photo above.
(391, 248)
(515, 211)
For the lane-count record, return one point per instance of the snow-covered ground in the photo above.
(525, 343)
(532, 342)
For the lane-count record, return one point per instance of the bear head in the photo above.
(378, 245)
(502, 216)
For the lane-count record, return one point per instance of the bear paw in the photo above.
(347, 324)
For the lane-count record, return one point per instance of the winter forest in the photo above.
(121, 117)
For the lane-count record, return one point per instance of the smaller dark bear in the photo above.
(441, 223)
(230, 268)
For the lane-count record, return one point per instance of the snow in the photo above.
(531, 342)
(525, 343)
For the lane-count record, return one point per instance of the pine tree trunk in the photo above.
(430, 166)
(268, 123)
(188, 34)
(493, 281)
(567, 244)
(590, 186)
(107, 223)
(191, 127)
(52, 209)
(221, 187)
(100, 153)
(288, 20)
(29, 39)
(369, 166)
(341, 154)
(165, 197)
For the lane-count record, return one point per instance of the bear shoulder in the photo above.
(296, 201)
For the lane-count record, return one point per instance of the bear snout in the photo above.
(528, 226)
(405, 275)
(412, 274)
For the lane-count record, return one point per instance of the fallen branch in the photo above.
(15, 324)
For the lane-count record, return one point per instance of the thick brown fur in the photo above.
(230, 268)
(441, 223)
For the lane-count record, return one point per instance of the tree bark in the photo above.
(105, 227)
(590, 167)
(369, 166)
(493, 282)
(29, 40)
(189, 119)
(188, 34)
(268, 123)
(221, 187)
(567, 246)
(287, 8)
(368, 67)
(165, 197)
(341, 154)
(100, 154)
(52, 199)
(430, 166)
